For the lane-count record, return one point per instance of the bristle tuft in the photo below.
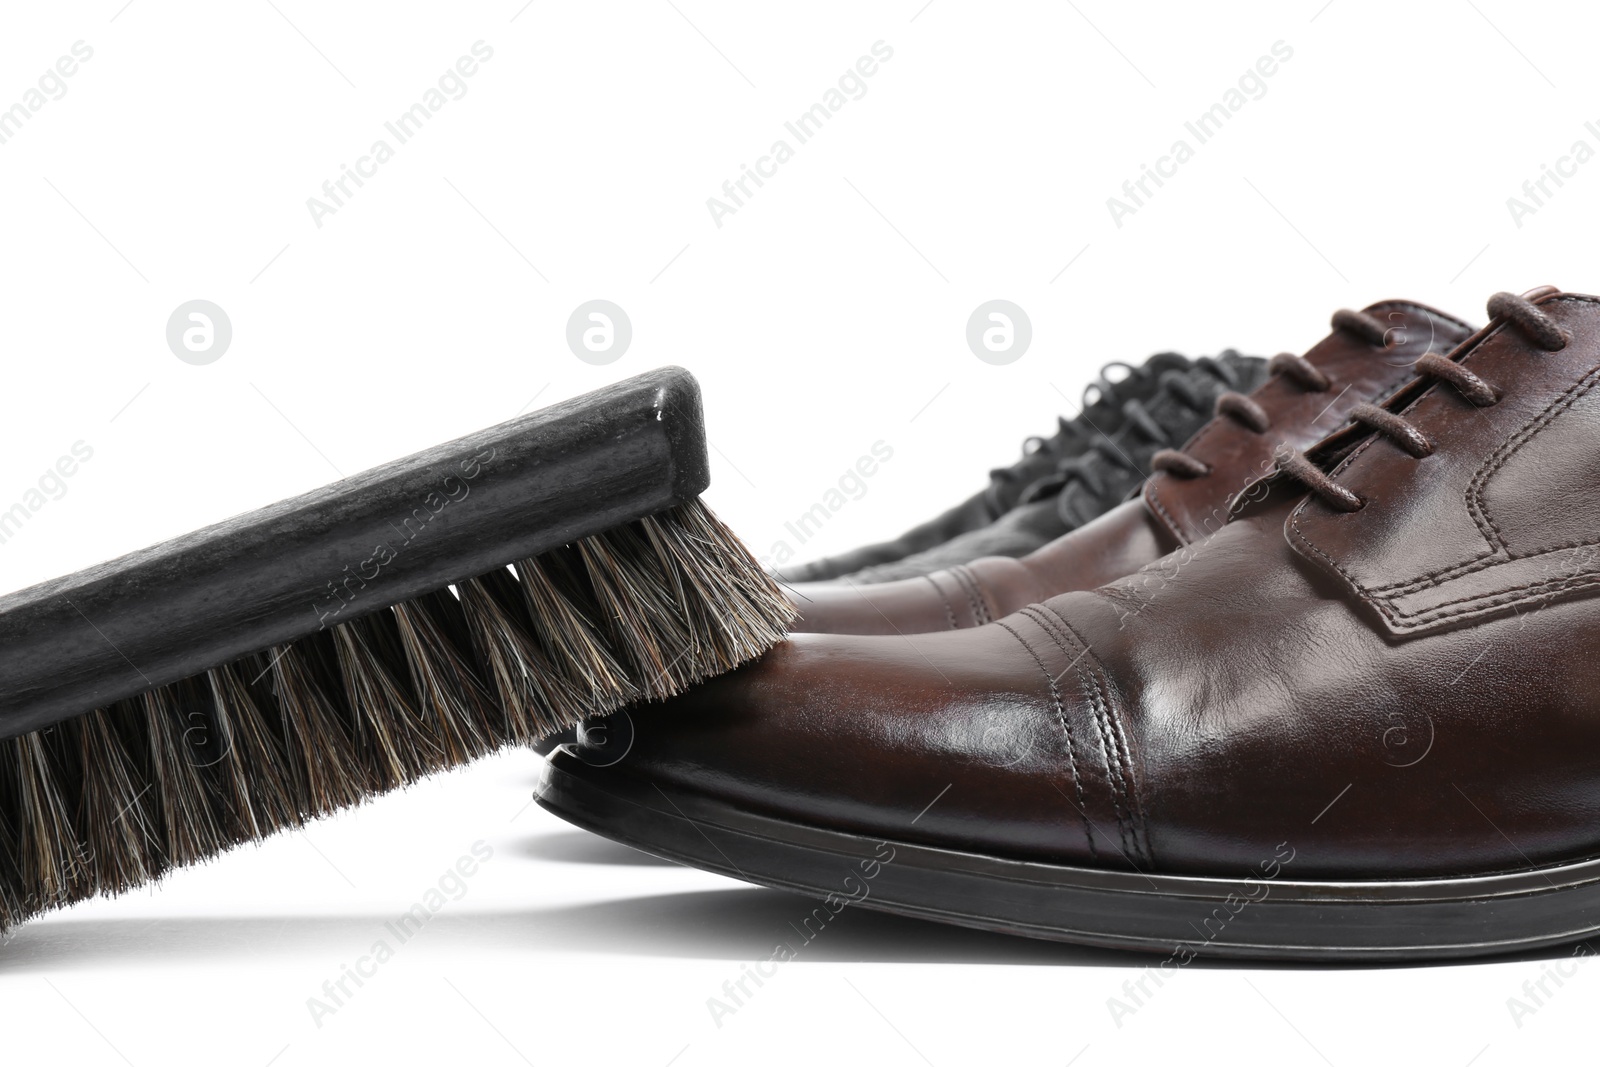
(116, 797)
(326, 773)
(111, 814)
(179, 736)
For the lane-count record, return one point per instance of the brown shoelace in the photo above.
(1251, 415)
(1520, 313)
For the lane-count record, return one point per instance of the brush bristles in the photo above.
(117, 797)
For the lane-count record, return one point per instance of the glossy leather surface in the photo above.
(1170, 512)
(1243, 692)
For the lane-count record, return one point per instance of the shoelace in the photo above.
(1101, 396)
(1251, 415)
(1085, 469)
(1521, 313)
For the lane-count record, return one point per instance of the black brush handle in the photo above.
(386, 535)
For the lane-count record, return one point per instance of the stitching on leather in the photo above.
(1396, 592)
(1478, 565)
(975, 599)
(1297, 534)
(1114, 765)
(1557, 407)
(1499, 552)
(944, 601)
(966, 591)
(1113, 778)
(1497, 556)
(1124, 754)
(1112, 742)
(1154, 501)
(982, 592)
(1294, 532)
(1066, 730)
(1509, 595)
(1486, 602)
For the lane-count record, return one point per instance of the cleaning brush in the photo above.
(165, 706)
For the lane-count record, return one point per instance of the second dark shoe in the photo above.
(1104, 416)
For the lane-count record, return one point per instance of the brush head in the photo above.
(368, 542)
(171, 704)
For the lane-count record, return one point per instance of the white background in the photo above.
(826, 314)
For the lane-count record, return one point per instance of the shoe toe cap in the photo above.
(949, 739)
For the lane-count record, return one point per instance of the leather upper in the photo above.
(1169, 513)
(1512, 526)
(1195, 508)
(1250, 689)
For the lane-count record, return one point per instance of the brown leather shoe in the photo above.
(1367, 356)
(1359, 723)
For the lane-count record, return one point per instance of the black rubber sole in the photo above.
(1180, 916)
